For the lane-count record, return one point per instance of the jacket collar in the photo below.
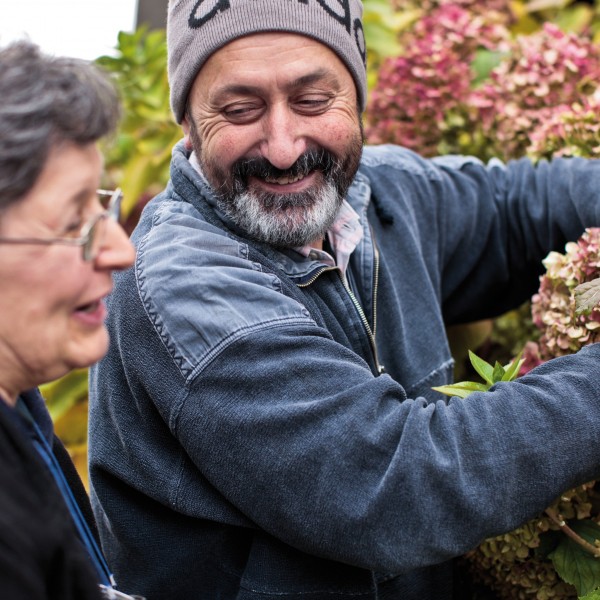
(296, 266)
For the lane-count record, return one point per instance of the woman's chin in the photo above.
(90, 351)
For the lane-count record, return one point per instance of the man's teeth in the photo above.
(287, 179)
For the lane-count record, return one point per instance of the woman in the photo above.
(59, 244)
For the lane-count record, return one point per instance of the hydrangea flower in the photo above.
(568, 131)
(498, 10)
(539, 99)
(420, 93)
(553, 307)
(545, 74)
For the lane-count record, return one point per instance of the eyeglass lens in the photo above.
(97, 227)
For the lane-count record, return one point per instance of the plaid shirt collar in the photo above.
(344, 236)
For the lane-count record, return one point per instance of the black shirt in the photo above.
(41, 555)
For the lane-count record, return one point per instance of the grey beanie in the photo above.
(198, 28)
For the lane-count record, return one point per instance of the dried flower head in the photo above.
(553, 307)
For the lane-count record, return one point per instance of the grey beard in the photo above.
(284, 220)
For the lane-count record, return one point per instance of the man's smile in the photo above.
(286, 179)
(286, 183)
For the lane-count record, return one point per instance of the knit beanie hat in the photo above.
(198, 28)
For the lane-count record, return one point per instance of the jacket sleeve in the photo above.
(484, 229)
(314, 450)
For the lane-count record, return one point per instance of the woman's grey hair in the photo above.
(45, 101)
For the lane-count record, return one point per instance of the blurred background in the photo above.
(85, 29)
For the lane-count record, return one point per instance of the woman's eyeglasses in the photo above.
(92, 233)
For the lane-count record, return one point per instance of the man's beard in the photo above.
(289, 220)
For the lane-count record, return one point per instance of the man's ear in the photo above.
(185, 125)
(187, 141)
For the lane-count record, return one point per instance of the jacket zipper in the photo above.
(370, 332)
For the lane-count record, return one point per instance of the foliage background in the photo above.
(501, 78)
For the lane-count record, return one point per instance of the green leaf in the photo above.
(498, 372)
(484, 62)
(574, 564)
(64, 393)
(575, 19)
(484, 369)
(595, 595)
(461, 389)
(511, 370)
(383, 40)
(587, 296)
(549, 540)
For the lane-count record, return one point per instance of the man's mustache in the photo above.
(311, 160)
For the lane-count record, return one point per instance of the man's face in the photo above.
(273, 119)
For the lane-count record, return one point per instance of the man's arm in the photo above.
(340, 464)
(482, 230)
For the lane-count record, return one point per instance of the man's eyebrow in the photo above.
(315, 77)
(235, 89)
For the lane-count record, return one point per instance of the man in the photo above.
(264, 424)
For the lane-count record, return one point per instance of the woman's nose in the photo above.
(117, 252)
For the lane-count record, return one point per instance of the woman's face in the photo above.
(51, 301)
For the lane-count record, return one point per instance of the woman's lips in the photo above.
(92, 314)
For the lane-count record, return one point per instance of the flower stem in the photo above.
(557, 518)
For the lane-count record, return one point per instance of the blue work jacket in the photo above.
(263, 428)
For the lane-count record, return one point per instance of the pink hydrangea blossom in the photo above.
(553, 307)
(538, 101)
(546, 73)
(418, 93)
(499, 9)
(568, 131)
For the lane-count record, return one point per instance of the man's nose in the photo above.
(284, 139)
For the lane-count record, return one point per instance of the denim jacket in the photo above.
(261, 428)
